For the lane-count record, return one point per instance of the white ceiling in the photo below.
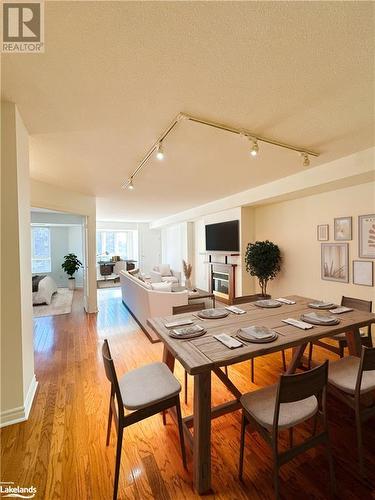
(114, 74)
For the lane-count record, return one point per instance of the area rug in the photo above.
(61, 304)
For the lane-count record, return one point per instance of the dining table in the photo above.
(205, 354)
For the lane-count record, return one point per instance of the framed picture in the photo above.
(363, 272)
(343, 228)
(366, 234)
(335, 262)
(322, 232)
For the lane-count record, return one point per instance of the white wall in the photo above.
(177, 244)
(18, 383)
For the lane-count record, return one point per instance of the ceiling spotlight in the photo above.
(159, 152)
(254, 148)
(306, 159)
(130, 184)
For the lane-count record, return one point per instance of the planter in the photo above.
(71, 283)
(188, 283)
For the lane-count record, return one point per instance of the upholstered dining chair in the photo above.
(295, 399)
(340, 338)
(350, 379)
(145, 391)
(245, 300)
(197, 306)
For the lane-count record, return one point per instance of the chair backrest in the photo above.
(298, 386)
(198, 306)
(112, 376)
(367, 364)
(361, 305)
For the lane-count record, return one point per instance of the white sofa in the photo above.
(163, 273)
(144, 303)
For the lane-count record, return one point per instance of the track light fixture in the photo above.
(254, 148)
(160, 152)
(254, 138)
(306, 159)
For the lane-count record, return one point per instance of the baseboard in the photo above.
(20, 413)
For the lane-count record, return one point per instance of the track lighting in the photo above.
(306, 159)
(131, 185)
(254, 148)
(160, 152)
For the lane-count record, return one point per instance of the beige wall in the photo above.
(18, 382)
(55, 198)
(292, 225)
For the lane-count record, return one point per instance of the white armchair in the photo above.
(164, 273)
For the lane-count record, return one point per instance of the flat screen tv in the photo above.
(223, 237)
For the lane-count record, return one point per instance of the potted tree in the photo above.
(263, 260)
(71, 265)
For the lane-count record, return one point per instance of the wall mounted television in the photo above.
(223, 237)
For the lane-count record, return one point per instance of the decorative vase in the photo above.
(71, 283)
(188, 283)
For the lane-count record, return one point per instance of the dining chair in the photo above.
(197, 306)
(350, 379)
(246, 299)
(295, 399)
(340, 338)
(145, 391)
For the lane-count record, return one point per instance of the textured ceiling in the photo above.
(114, 74)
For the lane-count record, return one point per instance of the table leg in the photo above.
(202, 432)
(296, 358)
(353, 339)
(168, 358)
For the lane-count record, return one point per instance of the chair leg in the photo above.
(284, 359)
(290, 437)
(226, 370)
(181, 432)
(311, 347)
(109, 424)
(242, 445)
(186, 387)
(315, 424)
(341, 349)
(358, 424)
(331, 467)
(252, 369)
(275, 472)
(118, 460)
(164, 415)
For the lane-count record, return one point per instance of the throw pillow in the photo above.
(162, 287)
(165, 269)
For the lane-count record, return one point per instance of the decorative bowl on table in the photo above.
(213, 313)
(267, 303)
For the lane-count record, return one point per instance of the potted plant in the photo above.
(71, 265)
(263, 260)
(188, 268)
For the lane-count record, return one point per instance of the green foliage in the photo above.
(263, 260)
(71, 264)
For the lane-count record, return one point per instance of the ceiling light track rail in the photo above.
(255, 138)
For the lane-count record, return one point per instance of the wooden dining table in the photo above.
(202, 355)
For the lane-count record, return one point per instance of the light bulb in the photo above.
(254, 148)
(159, 152)
(131, 185)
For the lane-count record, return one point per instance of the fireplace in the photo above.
(222, 281)
(220, 284)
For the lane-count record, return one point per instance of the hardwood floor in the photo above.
(61, 448)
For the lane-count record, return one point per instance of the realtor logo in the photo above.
(23, 27)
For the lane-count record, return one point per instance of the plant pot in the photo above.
(71, 283)
(188, 283)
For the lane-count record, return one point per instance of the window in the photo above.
(122, 243)
(41, 250)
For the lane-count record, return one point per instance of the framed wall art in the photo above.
(342, 228)
(363, 272)
(366, 235)
(335, 262)
(322, 232)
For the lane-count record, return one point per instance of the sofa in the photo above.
(143, 302)
(163, 273)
